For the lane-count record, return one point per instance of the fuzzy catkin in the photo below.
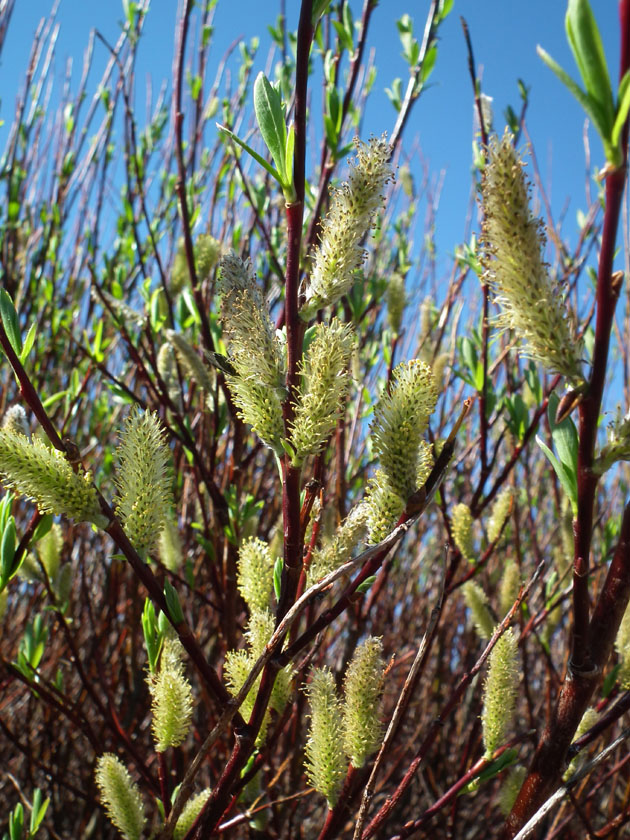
(352, 213)
(499, 693)
(143, 480)
(477, 602)
(43, 474)
(513, 241)
(325, 759)
(363, 687)
(120, 796)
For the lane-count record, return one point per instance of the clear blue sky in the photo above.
(504, 33)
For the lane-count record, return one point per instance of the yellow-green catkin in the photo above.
(353, 208)
(120, 796)
(172, 705)
(396, 302)
(383, 508)
(337, 550)
(510, 788)
(462, 529)
(255, 574)
(191, 811)
(170, 545)
(363, 687)
(477, 602)
(401, 417)
(325, 758)
(257, 354)
(143, 479)
(622, 646)
(44, 475)
(498, 515)
(499, 693)
(514, 268)
(509, 587)
(323, 388)
(167, 368)
(589, 719)
(190, 361)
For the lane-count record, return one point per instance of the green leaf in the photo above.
(43, 527)
(564, 436)
(277, 576)
(172, 602)
(7, 552)
(28, 342)
(267, 166)
(38, 811)
(588, 51)
(567, 481)
(270, 118)
(591, 107)
(288, 155)
(367, 583)
(623, 106)
(10, 321)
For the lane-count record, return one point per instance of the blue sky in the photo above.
(504, 33)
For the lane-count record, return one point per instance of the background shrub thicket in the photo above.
(128, 300)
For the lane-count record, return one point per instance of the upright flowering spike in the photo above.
(501, 509)
(362, 695)
(191, 811)
(336, 551)
(325, 758)
(353, 208)
(324, 386)
(172, 699)
(499, 692)
(396, 302)
(514, 268)
(170, 545)
(43, 474)
(509, 588)
(255, 574)
(383, 507)
(120, 796)
(256, 354)
(400, 419)
(462, 523)
(190, 361)
(144, 485)
(477, 602)
(622, 646)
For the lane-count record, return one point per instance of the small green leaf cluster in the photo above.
(607, 115)
(618, 446)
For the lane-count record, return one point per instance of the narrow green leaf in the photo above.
(288, 156)
(277, 577)
(43, 527)
(592, 108)
(38, 811)
(270, 118)
(172, 602)
(588, 51)
(7, 551)
(10, 321)
(28, 342)
(623, 107)
(265, 164)
(565, 479)
(564, 436)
